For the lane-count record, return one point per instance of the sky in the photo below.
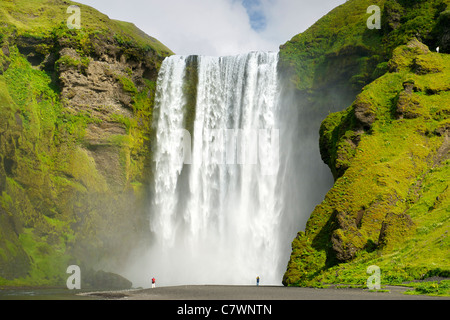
(218, 27)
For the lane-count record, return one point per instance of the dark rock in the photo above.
(347, 240)
(443, 129)
(4, 61)
(101, 280)
(395, 228)
(407, 105)
(427, 64)
(5, 50)
(346, 151)
(364, 112)
(443, 31)
(28, 47)
(404, 56)
(392, 15)
(345, 249)
(408, 86)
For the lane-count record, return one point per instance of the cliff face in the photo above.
(75, 138)
(388, 152)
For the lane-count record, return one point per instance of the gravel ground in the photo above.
(213, 292)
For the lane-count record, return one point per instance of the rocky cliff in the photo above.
(75, 139)
(388, 151)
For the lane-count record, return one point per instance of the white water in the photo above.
(224, 218)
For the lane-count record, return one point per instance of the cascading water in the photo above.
(224, 209)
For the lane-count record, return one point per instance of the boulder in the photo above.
(102, 280)
(364, 112)
(407, 104)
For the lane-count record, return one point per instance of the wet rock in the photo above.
(102, 280)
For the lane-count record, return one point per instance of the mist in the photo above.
(228, 224)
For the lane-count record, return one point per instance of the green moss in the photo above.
(70, 62)
(340, 54)
(119, 118)
(390, 206)
(190, 92)
(128, 33)
(336, 39)
(433, 288)
(127, 84)
(35, 18)
(64, 198)
(49, 261)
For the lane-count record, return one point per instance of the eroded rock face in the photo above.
(346, 240)
(387, 152)
(407, 105)
(403, 57)
(76, 151)
(443, 31)
(102, 280)
(394, 228)
(364, 112)
(93, 88)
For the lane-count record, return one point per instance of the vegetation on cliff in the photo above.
(388, 151)
(340, 51)
(76, 108)
(75, 129)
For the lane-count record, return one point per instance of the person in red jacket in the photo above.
(153, 282)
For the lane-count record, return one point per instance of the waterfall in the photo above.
(225, 208)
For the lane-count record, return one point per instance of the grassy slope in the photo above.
(312, 54)
(339, 51)
(49, 185)
(38, 17)
(391, 170)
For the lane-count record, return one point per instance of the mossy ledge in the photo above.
(390, 203)
(75, 139)
(388, 151)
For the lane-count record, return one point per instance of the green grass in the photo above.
(128, 33)
(339, 38)
(127, 84)
(394, 175)
(37, 18)
(57, 203)
(48, 260)
(432, 288)
(340, 51)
